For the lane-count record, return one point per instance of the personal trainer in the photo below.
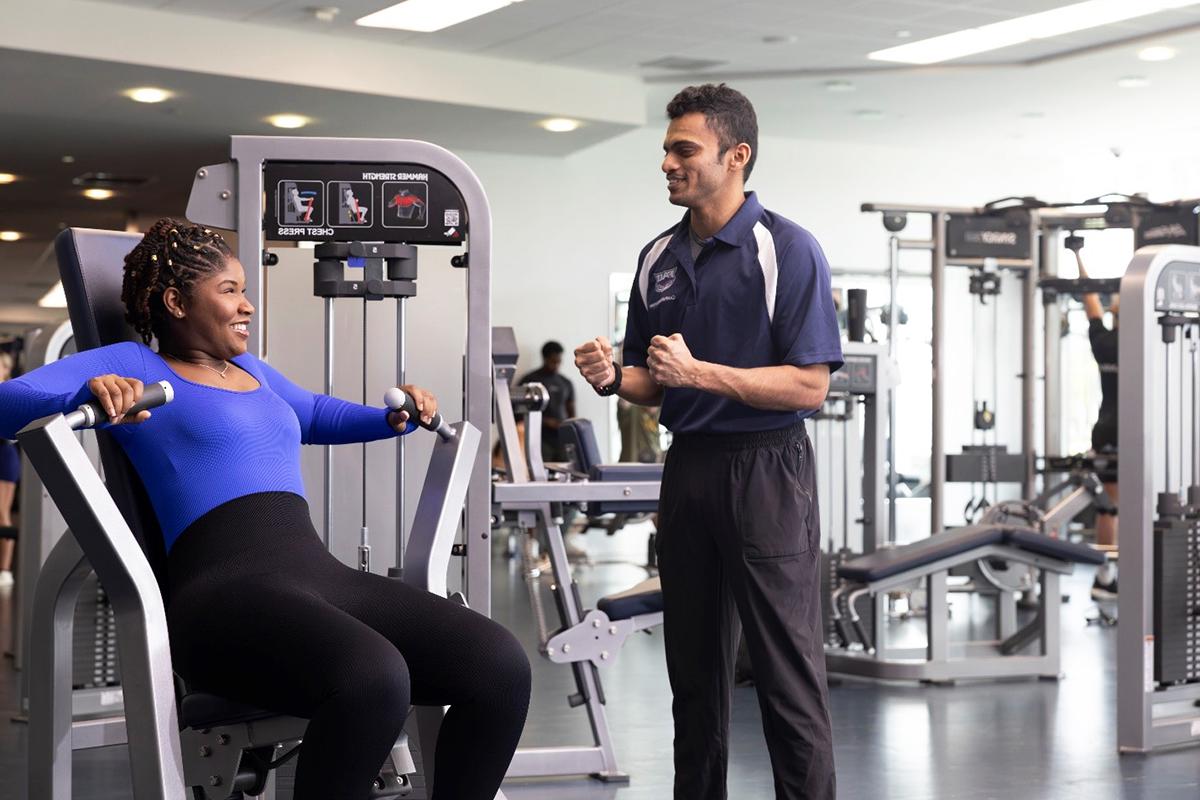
(732, 330)
(258, 610)
(1104, 342)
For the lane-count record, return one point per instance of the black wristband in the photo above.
(611, 389)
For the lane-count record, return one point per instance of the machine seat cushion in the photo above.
(201, 710)
(1061, 549)
(893, 560)
(644, 598)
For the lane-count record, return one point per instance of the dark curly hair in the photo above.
(728, 113)
(172, 253)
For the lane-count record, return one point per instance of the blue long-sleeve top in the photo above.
(210, 445)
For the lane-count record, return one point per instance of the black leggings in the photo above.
(260, 613)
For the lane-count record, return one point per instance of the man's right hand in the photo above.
(595, 362)
(117, 395)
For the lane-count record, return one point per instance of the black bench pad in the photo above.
(644, 598)
(1061, 549)
(202, 710)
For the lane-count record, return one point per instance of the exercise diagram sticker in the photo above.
(351, 202)
(406, 204)
(301, 203)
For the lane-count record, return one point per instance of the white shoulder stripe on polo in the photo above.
(768, 262)
(652, 256)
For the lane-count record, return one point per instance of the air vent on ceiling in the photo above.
(682, 63)
(109, 180)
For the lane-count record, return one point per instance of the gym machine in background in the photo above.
(1158, 640)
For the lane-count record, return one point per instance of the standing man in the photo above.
(732, 331)
(562, 399)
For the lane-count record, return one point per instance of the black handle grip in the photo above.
(153, 396)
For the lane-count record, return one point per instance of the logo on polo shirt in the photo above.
(663, 281)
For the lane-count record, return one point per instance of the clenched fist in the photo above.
(594, 360)
(671, 362)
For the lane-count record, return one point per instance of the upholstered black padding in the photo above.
(579, 438)
(892, 561)
(91, 264)
(645, 598)
(200, 710)
(1061, 549)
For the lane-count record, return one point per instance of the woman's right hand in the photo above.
(117, 395)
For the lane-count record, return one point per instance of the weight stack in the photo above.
(95, 659)
(1176, 601)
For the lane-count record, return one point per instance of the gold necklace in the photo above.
(220, 372)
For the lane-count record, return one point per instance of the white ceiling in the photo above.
(619, 35)
(1011, 100)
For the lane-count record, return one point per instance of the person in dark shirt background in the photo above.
(562, 399)
(1104, 432)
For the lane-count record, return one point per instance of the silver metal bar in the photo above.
(1195, 419)
(1052, 316)
(523, 496)
(937, 482)
(919, 209)
(1029, 298)
(401, 379)
(893, 474)
(103, 535)
(328, 454)
(88, 734)
(915, 244)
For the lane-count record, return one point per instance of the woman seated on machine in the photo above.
(258, 610)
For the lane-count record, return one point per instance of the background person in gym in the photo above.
(258, 610)
(562, 399)
(10, 474)
(1104, 433)
(732, 330)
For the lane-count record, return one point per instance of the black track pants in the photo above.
(260, 613)
(739, 539)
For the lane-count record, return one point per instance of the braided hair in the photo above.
(171, 254)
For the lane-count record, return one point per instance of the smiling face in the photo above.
(214, 317)
(696, 169)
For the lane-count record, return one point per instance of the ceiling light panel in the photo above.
(7, 177)
(288, 121)
(426, 16)
(148, 94)
(1031, 27)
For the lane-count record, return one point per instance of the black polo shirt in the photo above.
(758, 295)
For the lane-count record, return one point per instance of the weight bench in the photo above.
(598, 637)
(178, 737)
(931, 560)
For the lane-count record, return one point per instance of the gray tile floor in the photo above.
(1025, 739)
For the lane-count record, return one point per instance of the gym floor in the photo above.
(896, 741)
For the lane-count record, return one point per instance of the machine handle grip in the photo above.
(153, 396)
(398, 400)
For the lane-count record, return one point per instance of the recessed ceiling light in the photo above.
(97, 194)
(7, 177)
(1043, 25)
(426, 16)
(324, 13)
(560, 124)
(55, 298)
(9, 236)
(903, 34)
(1133, 82)
(288, 120)
(68, 159)
(1157, 53)
(148, 94)
(869, 113)
(780, 39)
(839, 86)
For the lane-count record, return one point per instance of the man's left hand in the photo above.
(671, 362)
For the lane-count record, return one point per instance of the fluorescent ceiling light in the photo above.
(560, 124)
(426, 16)
(1157, 53)
(148, 94)
(97, 194)
(7, 177)
(9, 236)
(1043, 25)
(55, 298)
(288, 120)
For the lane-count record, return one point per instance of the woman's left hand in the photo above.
(426, 404)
